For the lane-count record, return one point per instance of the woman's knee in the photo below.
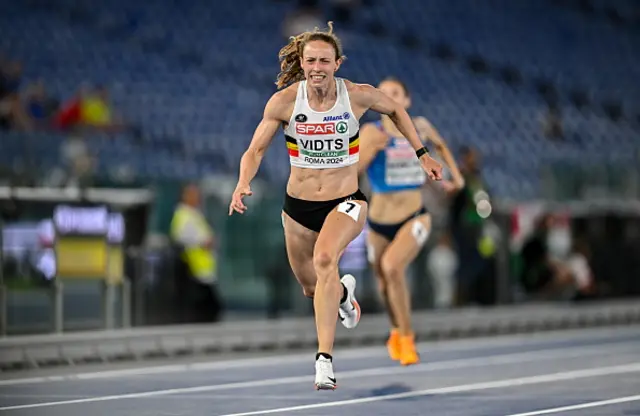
(392, 270)
(324, 261)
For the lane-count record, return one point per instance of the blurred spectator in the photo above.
(197, 295)
(442, 263)
(77, 166)
(72, 149)
(464, 208)
(68, 115)
(551, 268)
(96, 110)
(476, 272)
(539, 272)
(579, 265)
(90, 110)
(82, 172)
(39, 106)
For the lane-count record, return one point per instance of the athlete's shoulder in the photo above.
(363, 95)
(286, 95)
(281, 103)
(427, 131)
(423, 122)
(357, 88)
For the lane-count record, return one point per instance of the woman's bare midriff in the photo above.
(394, 207)
(322, 184)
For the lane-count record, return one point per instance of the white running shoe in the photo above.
(349, 311)
(325, 380)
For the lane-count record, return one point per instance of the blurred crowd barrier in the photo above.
(55, 279)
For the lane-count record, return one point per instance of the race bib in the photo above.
(351, 208)
(419, 232)
(403, 167)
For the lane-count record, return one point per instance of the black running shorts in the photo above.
(311, 214)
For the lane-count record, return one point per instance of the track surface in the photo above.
(587, 373)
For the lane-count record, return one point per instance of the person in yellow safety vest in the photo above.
(196, 292)
(190, 229)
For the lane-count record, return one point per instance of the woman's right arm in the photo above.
(262, 137)
(250, 162)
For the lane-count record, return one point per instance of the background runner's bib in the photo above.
(322, 140)
(402, 167)
(396, 167)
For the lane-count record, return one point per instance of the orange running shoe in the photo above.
(408, 353)
(393, 345)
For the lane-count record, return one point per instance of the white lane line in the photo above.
(188, 367)
(447, 345)
(580, 406)
(165, 369)
(500, 359)
(521, 381)
(298, 397)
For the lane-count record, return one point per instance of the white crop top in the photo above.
(323, 140)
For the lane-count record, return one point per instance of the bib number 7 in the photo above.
(351, 208)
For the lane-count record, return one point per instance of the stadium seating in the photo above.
(554, 43)
(196, 78)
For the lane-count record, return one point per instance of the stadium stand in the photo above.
(195, 78)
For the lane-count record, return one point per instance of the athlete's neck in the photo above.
(321, 95)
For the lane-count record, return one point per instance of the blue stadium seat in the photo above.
(209, 110)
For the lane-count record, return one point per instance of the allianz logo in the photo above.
(344, 116)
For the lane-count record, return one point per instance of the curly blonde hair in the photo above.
(290, 68)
